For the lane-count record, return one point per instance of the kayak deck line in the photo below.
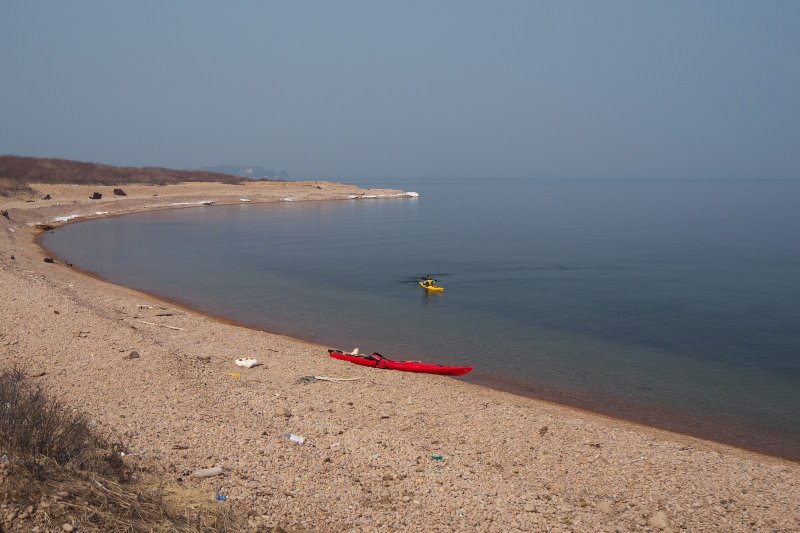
(376, 360)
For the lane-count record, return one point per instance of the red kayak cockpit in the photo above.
(376, 360)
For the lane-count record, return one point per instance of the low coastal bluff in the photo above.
(363, 450)
(17, 169)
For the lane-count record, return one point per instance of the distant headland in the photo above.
(250, 172)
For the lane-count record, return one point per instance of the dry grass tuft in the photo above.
(55, 469)
(39, 428)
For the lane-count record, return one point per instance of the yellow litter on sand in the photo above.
(234, 375)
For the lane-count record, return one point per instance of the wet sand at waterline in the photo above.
(370, 459)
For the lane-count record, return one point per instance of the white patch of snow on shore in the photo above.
(201, 202)
(288, 199)
(65, 218)
(244, 199)
(101, 212)
(409, 194)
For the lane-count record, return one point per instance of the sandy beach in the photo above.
(383, 450)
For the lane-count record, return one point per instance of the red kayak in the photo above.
(378, 361)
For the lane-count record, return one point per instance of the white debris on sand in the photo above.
(64, 218)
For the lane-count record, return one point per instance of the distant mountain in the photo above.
(256, 173)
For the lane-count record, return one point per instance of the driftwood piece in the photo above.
(161, 325)
(207, 472)
(305, 380)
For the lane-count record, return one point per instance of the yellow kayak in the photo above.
(434, 288)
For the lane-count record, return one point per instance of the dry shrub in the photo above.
(53, 455)
(10, 188)
(37, 427)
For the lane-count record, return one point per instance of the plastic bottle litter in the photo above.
(437, 457)
(222, 498)
(295, 438)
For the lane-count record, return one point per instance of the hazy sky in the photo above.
(630, 89)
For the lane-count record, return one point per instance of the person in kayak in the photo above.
(428, 281)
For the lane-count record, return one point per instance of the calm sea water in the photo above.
(673, 303)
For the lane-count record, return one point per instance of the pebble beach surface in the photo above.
(380, 450)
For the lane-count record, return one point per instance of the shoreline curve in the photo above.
(522, 419)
